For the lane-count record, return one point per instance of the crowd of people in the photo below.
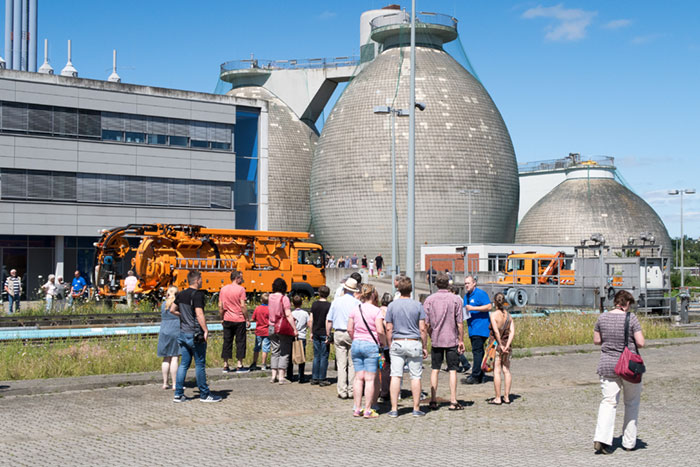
(373, 266)
(378, 340)
(58, 294)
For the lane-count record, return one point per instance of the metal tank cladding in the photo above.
(591, 201)
(290, 148)
(461, 143)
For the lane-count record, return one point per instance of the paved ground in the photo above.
(551, 422)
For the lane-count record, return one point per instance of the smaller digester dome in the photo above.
(591, 201)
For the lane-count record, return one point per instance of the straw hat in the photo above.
(351, 285)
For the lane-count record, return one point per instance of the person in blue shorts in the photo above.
(477, 305)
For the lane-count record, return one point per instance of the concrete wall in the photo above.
(535, 186)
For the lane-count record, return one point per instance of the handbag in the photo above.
(487, 363)
(630, 366)
(282, 325)
(298, 354)
(489, 356)
(380, 362)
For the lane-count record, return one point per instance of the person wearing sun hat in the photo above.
(337, 319)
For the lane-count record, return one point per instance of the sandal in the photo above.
(456, 406)
(492, 401)
(507, 402)
(433, 405)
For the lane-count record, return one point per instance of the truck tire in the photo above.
(516, 297)
(302, 289)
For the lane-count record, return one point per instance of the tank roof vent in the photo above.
(69, 69)
(45, 67)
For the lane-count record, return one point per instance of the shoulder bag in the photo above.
(282, 325)
(630, 366)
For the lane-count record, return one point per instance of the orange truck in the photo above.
(161, 255)
(531, 268)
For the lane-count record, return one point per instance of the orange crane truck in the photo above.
(161, 255)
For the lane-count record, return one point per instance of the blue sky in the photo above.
(597, 77)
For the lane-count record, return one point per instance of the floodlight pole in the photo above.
(411, 204)
(687, 191)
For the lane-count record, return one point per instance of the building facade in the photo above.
(78, 156)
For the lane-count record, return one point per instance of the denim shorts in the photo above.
(262, 342)
(406, 352)
(365, 356)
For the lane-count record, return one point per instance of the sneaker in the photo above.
(371, 413)
(324, 382)
(178, 399)
(210, 398)
(242, 370)
(394, 413)
(226, 370)
(253, 368)
(314, 382)
(264, 368)
(418, 413)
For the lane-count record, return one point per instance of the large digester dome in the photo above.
(590, 201)
(290, 149)
(461, 143)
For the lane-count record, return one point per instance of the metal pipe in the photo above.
(8, 34)
(682, 249)
(23, 44)
(32, 35)
(16, 35)
(411, 207)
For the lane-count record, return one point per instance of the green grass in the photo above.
(134, 354)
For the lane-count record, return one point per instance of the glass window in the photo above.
(223, 146)
(157, 139)
(199, 144)
(132, 137)
(112, 135)
(178, 141)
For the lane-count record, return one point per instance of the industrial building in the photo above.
(80, 155)
(462, 143)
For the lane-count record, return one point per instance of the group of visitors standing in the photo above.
(373, 266)
(377, 343)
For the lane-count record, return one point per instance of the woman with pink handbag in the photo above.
(614, 331)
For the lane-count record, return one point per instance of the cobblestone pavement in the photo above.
(550, 422)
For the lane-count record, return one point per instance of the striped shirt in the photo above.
(14, 285)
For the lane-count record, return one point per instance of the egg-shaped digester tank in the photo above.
(290, 149)
(461, 142)
(591, 201)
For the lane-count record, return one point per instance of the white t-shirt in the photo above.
(50, 288)
(301, 319)
(130, 283)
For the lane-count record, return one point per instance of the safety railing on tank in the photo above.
(565, 163)
(403, 17)
(293, 64)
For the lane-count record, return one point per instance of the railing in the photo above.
(565, 163)
(403, 17)
(294, 64)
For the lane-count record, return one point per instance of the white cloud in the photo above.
(641, 40)
(327, 15)
(617, 24)
(570, 23)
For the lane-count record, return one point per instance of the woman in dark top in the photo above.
(319, 312)
(609, 333)
(168, 348)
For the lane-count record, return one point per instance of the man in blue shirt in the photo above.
(78, 289)
(476, 311)
(338, 319)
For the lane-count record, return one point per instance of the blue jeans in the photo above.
(320, 358)
(13, 299)
(365, 356)
(188, 349)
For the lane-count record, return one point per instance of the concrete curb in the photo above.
(56, 385)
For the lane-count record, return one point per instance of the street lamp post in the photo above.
(687, 191)
(394, 216)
